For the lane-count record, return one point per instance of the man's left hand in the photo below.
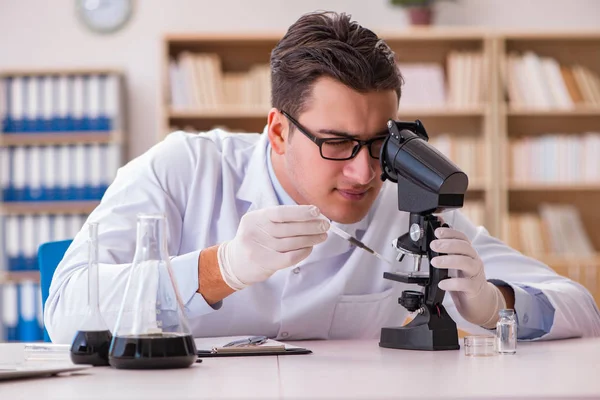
(476, 299)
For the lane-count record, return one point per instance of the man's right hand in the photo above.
(268, 240)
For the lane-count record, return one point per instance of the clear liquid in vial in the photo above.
(506, 333)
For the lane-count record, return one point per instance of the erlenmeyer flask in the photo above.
(90, 344)
(152, 330)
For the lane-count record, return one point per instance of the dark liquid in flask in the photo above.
(165, 350)
(91, 347)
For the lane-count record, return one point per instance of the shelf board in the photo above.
(261, 112)
(451, 34)
(49, 207)
(19, 276)
(41, 139)
(553, 35)
(219, 37)
(540, 187)
(56, 71)
(220, 112)
(475, 111)
(541, 112)
(406, 34)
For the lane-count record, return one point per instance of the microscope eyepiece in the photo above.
(428, 182)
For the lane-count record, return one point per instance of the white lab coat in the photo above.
(204, 184)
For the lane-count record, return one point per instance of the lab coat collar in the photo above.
(257, 188)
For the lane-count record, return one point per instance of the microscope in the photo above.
(428, 183)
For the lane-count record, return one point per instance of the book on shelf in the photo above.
(534, 81)
(460, 85)
(467, 78)
(556, 236)
(467, 152)
(556, 229)
(198, 82)
(556, 159)
(424, 85)
(60, 103)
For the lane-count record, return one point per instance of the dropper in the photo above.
(345, 235)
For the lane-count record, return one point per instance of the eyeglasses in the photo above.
(340, 149)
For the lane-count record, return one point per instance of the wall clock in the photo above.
(104, 16)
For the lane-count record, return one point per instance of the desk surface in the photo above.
(345, 369)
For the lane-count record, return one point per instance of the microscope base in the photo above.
(419, 338)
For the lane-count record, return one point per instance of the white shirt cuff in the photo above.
(185, 271)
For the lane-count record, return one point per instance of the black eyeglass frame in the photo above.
(319, 141)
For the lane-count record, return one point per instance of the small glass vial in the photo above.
(506, 332)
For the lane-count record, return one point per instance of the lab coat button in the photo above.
(297, 270)
(525, 318)
(284, 334)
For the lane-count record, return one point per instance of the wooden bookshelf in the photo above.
(19, 276)
(518, 122)
(496, 120)
(60, 71)
(12, 140)
(239, 52)
(49, 207)
(48, 139)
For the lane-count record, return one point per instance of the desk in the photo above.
(559, 369)
(345, 369)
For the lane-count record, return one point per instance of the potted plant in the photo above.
(420, 12)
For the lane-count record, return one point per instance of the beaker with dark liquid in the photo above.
(152, 330)
(92, 341)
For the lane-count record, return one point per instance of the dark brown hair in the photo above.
(329, 44)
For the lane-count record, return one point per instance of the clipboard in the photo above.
(213, 347)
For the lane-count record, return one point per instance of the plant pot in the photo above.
(420, 15)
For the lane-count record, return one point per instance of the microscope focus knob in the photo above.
(411, 300)
(416, 232)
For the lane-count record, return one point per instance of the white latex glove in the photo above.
(268, 240)
(477, 300)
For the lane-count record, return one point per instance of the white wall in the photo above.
(43, 34)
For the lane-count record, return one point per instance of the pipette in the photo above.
(356, 242)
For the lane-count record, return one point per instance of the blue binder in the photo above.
(28, 325)
(10, 307)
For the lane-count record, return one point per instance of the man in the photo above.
(248, 217)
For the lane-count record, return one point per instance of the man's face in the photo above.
(343, 190)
